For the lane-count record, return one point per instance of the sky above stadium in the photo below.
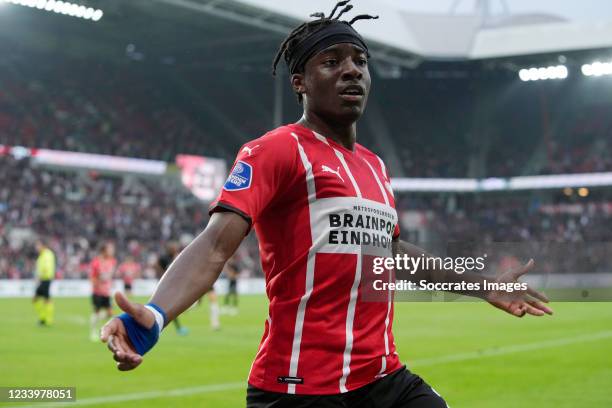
(583, 10)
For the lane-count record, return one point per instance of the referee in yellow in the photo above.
(45, 272)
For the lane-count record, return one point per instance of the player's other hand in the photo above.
(114, 334)
(519, 303)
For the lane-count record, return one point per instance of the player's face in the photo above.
(110, 250)
(336, 83)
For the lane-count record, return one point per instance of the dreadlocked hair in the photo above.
(307, 28)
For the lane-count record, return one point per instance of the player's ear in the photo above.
(298, 83)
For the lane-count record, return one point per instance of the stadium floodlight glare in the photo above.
(97, 15)
(60, 7)
(524, 75)
(88, 13)
(597, 69)
(543, 73)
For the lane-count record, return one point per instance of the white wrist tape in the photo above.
(158, 318)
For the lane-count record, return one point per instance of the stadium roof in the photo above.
(140, 31)
(402, 32)
(244, 34)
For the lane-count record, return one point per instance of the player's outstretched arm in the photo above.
(190, 276)
(517, 303)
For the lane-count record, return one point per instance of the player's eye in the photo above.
(330, 62)
(362, 61)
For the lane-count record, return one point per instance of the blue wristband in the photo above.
(143, 339)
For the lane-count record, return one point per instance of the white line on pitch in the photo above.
(490, 352)
(519, 348)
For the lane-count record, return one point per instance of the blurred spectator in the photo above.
(94, 108)
(76, 211)
(563, 235)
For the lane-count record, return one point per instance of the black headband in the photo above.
(328, 35)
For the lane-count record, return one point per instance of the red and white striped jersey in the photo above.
(315, 206)
(101, 274)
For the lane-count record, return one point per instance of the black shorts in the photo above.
(44, 289)
(401, 389)
(100, 302)
(233, 286)
(127, 286)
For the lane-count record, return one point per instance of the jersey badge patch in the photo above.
(240, 177)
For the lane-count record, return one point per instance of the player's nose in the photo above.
(350, 70)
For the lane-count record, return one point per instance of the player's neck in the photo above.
(346, 135)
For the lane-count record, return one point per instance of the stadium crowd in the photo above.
(113, 108)
(524, 225)
(465, 128)
(584, 148)
(98, 108)
(77, 212)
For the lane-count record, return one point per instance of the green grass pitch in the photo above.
(472, 354)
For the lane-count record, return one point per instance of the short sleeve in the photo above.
(262, 169)
(94, 268)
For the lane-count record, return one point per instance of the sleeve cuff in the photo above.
(224, 207)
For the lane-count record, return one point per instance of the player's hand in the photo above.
(114, 334)
(519, 303)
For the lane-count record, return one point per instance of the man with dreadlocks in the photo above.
(318, 202)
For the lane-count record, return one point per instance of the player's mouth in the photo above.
(352, 93)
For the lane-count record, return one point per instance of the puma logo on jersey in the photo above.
(327, 169)
(249, 150)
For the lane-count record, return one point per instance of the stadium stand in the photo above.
(112, 108)
(97, 108)
(78, 211)
(548, 225)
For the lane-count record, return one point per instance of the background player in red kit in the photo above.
(314, 197)
(102, 270)
(129, 270)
